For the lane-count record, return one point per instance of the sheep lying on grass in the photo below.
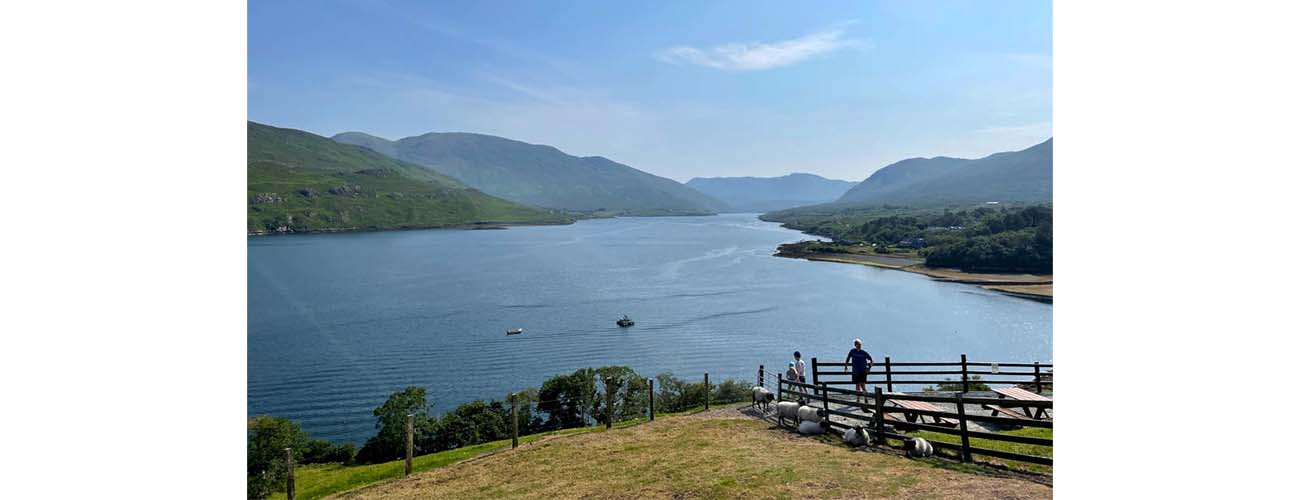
(918, 448)
(809, 427)
(855, 436)
(762, 397)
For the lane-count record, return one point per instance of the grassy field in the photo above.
(713, 455)
(1027, 449)
(320, 480)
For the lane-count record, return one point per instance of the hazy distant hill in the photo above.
(763, 194)
(1019, 176)
(540, 175)
(299, 181)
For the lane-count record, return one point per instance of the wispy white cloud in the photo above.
(761, 55)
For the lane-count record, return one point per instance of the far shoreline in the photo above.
(1036, 287)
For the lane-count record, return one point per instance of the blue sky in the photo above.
(678, 89)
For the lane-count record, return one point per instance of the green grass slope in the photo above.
(542, 176)
(302, 182)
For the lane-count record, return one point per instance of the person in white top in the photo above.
(799, 370)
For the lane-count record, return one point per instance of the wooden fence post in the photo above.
(652, 400)
(889, 376)
(288, 481)
(761, 383)
(410, 441)
(826, 402)
(706, 390)
(514, 421)
(880, 417)
(965, 438)
(779, 419)
(1038, 379)
(965, 383)
(609, 406)
(814, 363)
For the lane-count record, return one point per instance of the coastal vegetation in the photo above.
(568, 401)
(302, 182)
(982, 239)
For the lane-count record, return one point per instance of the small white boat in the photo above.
(514, 331)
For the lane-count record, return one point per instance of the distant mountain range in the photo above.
(1019, 176)
(542, 176)
(302, 182)
(764, 194)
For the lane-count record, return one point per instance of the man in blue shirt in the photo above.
(862, 363)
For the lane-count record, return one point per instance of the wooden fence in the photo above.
(877, 404)
(1035, 376)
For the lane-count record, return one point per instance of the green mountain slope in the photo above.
(763, 194)
(540, 175)
(1019, 176)
(302, 182)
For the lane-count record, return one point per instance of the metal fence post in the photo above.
(965, 438)
(965, 381)
(761, 383)
(288, 480)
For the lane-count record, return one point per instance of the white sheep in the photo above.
(918, 448)
(810, 414)
(855, 436)
(788, 409)
(762, 397)
(813, 427)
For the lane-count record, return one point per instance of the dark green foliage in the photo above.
(569, 400)
(390, 442)
(267, 439)
(320, 451)
(299, 182)
(1003, 239)
(955, 385)
(542, 176)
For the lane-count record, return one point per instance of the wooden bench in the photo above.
(1009, 413)
(1013, 394)
(912, 418)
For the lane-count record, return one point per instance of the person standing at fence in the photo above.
(862, 363)
(790, 373)
(799, 370)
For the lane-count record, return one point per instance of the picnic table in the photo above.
(912, 417)
(1013, 394)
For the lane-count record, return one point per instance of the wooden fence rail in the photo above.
(874, 407)
(991, 373)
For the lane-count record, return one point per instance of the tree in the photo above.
(267, 439)
(569, 400)
(390, 442)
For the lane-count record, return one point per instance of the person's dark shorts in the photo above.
(859, 377)
(803, 380)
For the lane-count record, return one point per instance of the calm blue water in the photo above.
(337, 322)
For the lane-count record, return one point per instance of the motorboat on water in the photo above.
(625, 321)
(514, 331)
